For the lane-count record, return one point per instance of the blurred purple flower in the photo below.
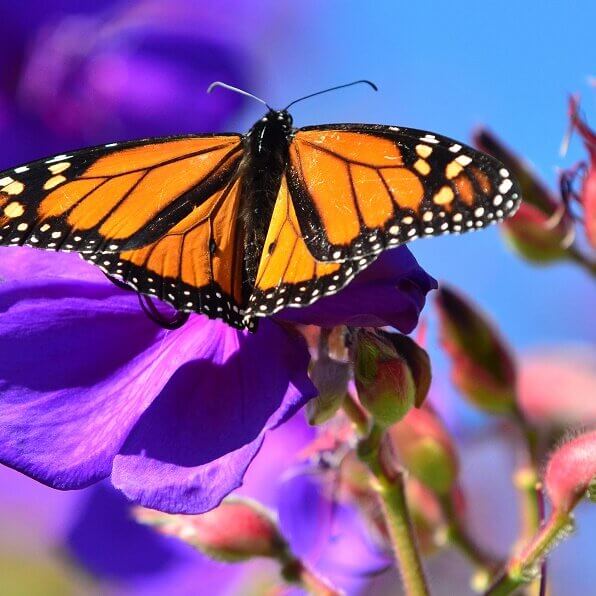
(86, 76)
(94, 529)
(91, 388)
(330, 533)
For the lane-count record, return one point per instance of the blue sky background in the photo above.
(448, 67)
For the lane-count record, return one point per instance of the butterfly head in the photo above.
(280, 118)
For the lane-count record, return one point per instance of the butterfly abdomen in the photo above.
(266, 147)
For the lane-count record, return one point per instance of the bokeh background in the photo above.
(75, 73)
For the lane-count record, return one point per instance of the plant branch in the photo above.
(525, 567)
(389, 485)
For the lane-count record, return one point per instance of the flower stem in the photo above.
(389, 485)
(581, 259)
(522, 569)
(526, 481)
(295, 572)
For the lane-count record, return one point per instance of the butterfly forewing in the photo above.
(109, 197)
(358, 189)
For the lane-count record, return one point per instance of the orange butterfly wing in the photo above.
(113, 197)
(358, 189)
(288, 274)
(196, 266)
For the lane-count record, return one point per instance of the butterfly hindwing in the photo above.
(359, 189)
(107, 198)
(288, 274)
(196, 266)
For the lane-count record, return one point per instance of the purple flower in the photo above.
(91, 388)
(74, 76)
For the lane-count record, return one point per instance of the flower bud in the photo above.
(418, 361)
(383, 378)
(540, 231)
(534, 191)
(330, 377)
(557, 388)
(571, 472)
(483, 368)
(426, 450)
(537, 237)
(237, 530)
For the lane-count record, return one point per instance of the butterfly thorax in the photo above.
(266, 147)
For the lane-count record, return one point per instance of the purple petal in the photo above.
(80, 363)
(24, 263)
(105, 540)
(193, 444)
(391, 292)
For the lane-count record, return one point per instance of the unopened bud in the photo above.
(330, 377)
(383, 378)
(237, 530)
(571, 472)
(418, 362)
(537, 237)
(483, 368)
(534, 191)
(557, 387)
(426, 450)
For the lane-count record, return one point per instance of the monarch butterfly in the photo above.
(240, 226)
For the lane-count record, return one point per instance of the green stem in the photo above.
(527, 483)
(389, 485)
(523, 568)
(582, 260)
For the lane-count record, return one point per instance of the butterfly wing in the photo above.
(359, 188)
(288, 274)
(113, 197)
(352, 190)
(196, 266)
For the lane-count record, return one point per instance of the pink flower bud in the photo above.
(426, 450)
(383, 378)
(534, 191)
(538, 237)
(237, 530)
(557, 388)
(540, 231)
(571, 472)
(483, 367)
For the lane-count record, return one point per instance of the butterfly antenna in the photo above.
(236, 90)
(370, 83)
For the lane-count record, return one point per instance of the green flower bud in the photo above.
(383, 378)
(426, 450)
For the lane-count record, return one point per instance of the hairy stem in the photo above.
(523, 568)
(389, 485)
